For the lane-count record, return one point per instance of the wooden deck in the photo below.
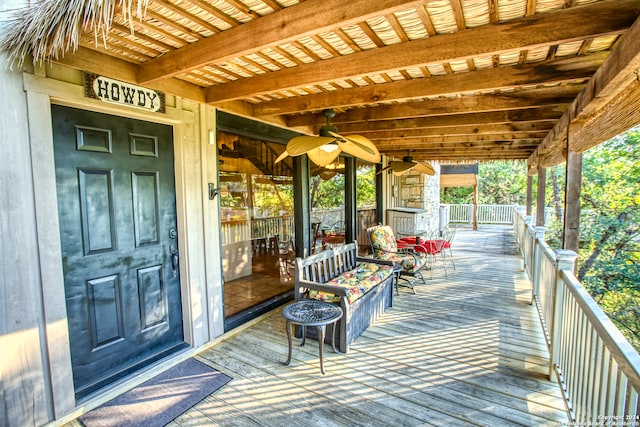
(466, 350)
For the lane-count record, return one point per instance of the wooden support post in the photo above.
(542, 183)
(573, 186)
(475, 207)
(350, 208)
(301, 205)
(380, 201)
(529, 194)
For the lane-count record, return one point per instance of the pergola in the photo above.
(451, 80)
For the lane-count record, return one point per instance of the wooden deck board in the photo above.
(467, 349)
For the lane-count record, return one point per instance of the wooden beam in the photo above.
(458, 180)
(470, 153)
(622, 113)
(565, 70)
(529, 98)
(488, 129)
(482, 156)
(287, 25)
(532, 115)
(94, 62)
(616, 75)
(417, 150)
(402, 143)
(563, 26)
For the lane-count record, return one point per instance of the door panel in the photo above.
(116, 204)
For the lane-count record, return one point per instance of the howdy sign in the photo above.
(121, 93)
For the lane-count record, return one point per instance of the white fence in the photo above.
(487, 214)
(597, 368)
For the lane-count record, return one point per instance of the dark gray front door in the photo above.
(117, 210)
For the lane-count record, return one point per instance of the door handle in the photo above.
(175, 261)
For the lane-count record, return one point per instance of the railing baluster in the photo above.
(596, 376)
(599, 370)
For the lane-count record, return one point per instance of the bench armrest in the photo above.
(336, 290)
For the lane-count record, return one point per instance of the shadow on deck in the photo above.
(466, 350)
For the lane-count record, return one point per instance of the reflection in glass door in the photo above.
(256, 199)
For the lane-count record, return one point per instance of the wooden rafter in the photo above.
(548, 29)
(295, 22)
(613, 91)
(500, 80)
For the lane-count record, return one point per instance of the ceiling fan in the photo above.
(325, 148)
(401, 167)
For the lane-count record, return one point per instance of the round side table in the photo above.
(312, 313)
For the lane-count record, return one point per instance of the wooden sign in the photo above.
(121, 93)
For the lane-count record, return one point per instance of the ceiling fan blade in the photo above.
(305, 143)
(358, 146)
(282, 156)
(400, 168)
(425, 168)
(383, 169)
(321, 157)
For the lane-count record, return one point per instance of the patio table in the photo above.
(312, 313)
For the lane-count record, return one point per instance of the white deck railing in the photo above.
(233, 231)
(597, 368)
(487, 214)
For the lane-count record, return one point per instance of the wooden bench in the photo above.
(363, 287)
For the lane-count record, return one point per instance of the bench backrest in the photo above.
(327, 264)
(344, 257)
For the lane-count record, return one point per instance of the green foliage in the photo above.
(274, 197)
(502, 183)
(366, 186)
(609, 252)
(623, 307)
(329, 194)
(456, 195)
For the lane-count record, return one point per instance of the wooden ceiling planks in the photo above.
(433, 74)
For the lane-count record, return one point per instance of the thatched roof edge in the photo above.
(49, 28)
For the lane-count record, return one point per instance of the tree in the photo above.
(609, 254)
(501, 183)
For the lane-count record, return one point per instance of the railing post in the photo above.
(528, 219)
(565, 260)
(539, 236)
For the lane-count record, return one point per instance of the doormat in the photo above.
(161, 399)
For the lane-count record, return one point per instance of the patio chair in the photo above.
(334, 236)
(448, 236)
(441, 241)
(315, 235)
(434, 246)
(286, 257)
(384, 246)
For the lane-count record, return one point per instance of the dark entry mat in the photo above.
(158, 401)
